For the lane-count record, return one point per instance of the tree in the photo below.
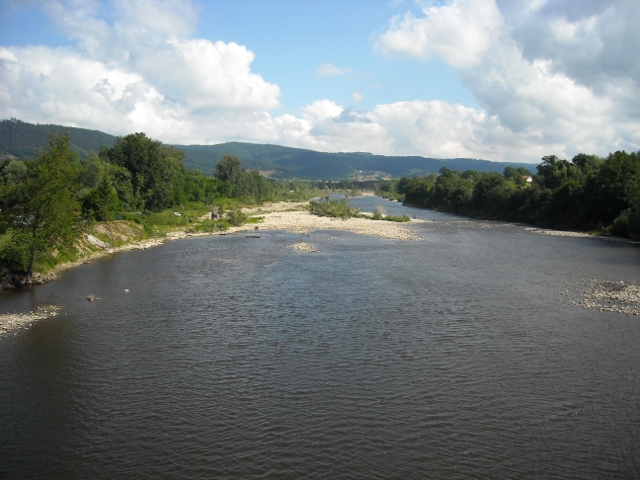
(614, 187)
(13, 172)
(101, 202)
(155, 169)
(42, 211)
(230, 170)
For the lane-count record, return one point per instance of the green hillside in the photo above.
(297, 162)
(24, 140)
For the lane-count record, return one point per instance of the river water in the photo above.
(236, 357)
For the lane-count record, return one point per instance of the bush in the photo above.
(621, 226)
(236, 216)
(392, 218)
(334, 208)
(15, 253)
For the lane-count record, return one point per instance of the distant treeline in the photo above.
(588, 193)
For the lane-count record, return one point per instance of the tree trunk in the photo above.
(32, 260)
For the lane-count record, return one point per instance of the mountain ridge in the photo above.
(25, 140)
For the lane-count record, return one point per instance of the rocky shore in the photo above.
(608, 296)
(12, 322)
(603, 295)
(564, 233)
(17, 280)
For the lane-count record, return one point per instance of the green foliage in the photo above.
(586, 193)
(157, 171)
(236, 216)
(395, 218)
(101, 202)
(230, 170)
(333, 208)
(621, 226)
(15, 253)
(13, 172)
(42, 212)
(378, 212)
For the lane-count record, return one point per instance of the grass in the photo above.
(395, 218)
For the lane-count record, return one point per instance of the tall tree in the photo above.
(155, 169)
(230, 170)
(42, 211)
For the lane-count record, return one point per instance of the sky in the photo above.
(501, 80)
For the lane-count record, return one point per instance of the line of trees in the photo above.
(45, 203)
(588, 193)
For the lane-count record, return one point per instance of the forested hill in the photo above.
(24, 140)
(297, 162)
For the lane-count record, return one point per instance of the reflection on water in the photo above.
(449, 357)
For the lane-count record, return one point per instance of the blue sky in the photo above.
(466, 78)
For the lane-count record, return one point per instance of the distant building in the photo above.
(527, 178)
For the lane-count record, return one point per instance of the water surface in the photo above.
(235, 357)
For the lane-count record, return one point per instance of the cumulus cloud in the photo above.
(550, 78)
(549, 74)
(460, 32)
(141, 72)
(596, 45)
(330, 70)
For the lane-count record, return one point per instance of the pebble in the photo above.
(611, 296)
(11, 322)
(304, 247)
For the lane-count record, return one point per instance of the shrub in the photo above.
(392, 218)
(334, 208)
(620, 226)
(378, 212)
(236, 216)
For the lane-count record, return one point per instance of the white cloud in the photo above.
(329, 70)
(551, 78)
(141, 73)
(459, 32)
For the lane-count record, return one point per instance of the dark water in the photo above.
(446, 358)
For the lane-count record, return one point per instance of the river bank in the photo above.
(108, 238)
(12, 322)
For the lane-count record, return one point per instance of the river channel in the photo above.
(455, 356)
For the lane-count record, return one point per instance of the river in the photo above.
(234, 357)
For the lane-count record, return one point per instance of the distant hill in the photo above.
(297, 162)
(24, 140)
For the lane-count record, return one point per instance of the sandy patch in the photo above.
(304, 222)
